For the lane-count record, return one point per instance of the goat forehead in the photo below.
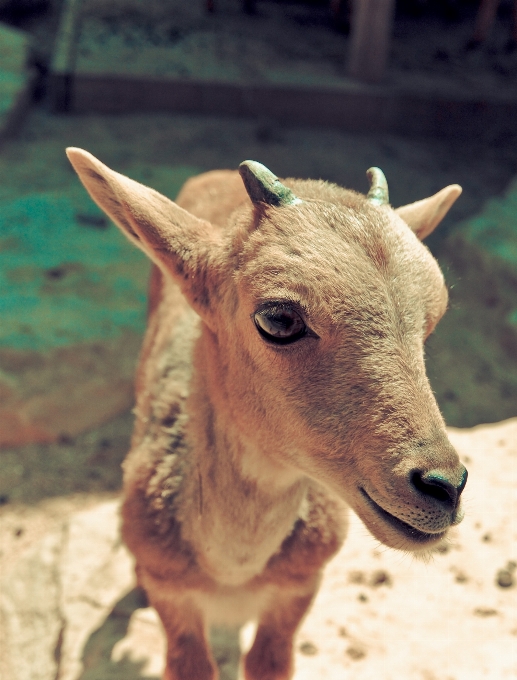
(328, 234)
(326, 250)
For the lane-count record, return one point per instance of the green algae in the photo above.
(472, 358)
(67, 275)
(494, 230)
(62, 282)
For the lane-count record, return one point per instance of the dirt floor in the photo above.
(68, 588)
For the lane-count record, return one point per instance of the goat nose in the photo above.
(437, 486)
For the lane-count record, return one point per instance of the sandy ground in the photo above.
(379, 613)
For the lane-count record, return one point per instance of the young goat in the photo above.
(282, 373)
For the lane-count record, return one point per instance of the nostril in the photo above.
(434, 486)
(437, 486)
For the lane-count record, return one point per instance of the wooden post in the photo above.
(372, 22)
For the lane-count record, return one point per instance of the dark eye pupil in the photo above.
(280, 325)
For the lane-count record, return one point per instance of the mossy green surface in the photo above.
(67, 275)
(472, 357)
(494, 232)
(495, 228)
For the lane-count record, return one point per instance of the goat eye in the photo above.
(280, 324)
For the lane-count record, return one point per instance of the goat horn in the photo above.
(265, 187)
(378, 193)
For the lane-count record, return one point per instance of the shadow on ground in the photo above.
(98, 657)
(98, 650)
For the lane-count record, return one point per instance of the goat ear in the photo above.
(425, 215)
(175, 240)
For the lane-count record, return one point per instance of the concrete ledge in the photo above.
(356, 108)
(86, 77)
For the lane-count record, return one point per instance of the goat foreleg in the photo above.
(271, 655)
(188, 652)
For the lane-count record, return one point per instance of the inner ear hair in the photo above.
(177, 241)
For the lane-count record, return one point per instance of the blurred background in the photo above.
(160, 90)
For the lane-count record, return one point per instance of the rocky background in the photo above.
(72, 312)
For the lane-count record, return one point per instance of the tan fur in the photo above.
(245, 452)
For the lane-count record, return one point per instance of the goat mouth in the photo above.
(415, 535)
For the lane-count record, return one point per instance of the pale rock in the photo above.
(60, 592)
(30, 613)
(69, 612)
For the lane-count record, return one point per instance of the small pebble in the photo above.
(362, 597)
(95, 221)
(356, 653)
(485, 611)
(308, 648)
(504, 578)
(380, 578)
(55, 273)
(356, 577)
